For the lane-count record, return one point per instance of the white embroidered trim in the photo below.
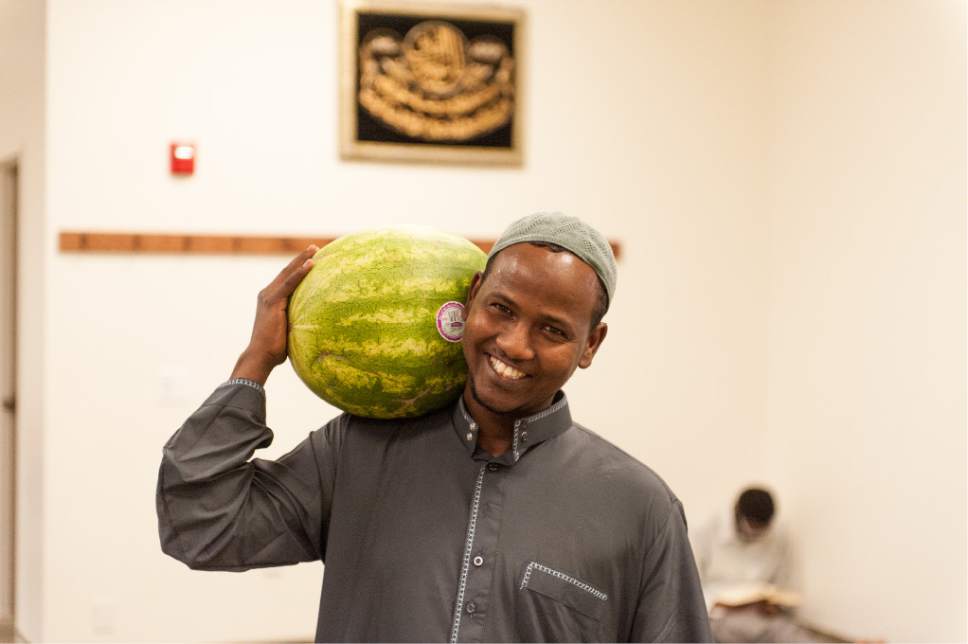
(468, 546)
(514, 442)
(467, 416)
(244, 381)
(547, 412)
(560, 575)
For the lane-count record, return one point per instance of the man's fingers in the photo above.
(292, 281)
(294, 267)
(298, 260)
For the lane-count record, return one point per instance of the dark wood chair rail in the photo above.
(73, 241)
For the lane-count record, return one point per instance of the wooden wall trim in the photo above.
(73, 241)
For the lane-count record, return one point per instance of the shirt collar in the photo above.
(529, 431)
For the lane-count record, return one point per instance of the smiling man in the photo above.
(495, 519)
(521, 347)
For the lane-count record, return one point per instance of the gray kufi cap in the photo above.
(570, 233)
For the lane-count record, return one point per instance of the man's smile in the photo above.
(504, 370)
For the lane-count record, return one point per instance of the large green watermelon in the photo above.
(374, 328)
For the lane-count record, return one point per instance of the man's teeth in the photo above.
(506, 370)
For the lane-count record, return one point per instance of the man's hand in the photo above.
(267, 347)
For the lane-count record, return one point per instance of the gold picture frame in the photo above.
(430, 82)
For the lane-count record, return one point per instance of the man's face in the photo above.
(749, 530)
(528, 328)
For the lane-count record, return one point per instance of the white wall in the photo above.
(787, 183)
(22, 108)
(866, 379)
(642, 117)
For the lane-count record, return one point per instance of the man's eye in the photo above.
(501, 308)
(556, 331)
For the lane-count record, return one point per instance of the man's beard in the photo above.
(483, 404)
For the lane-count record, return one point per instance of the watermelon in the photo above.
(375, 326)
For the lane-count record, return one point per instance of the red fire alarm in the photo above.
(182, 158)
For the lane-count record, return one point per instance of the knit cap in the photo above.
(570, 233)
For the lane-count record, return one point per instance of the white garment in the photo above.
(728, 564)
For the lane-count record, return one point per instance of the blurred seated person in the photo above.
(745, 565)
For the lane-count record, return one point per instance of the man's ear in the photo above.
(595, 338)
(472, 291)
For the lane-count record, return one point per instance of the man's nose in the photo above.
(515, 342)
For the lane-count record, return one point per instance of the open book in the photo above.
(744, 594)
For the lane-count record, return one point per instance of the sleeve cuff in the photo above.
(245, 381)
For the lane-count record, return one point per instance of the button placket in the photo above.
(480, 575)
(462, 586)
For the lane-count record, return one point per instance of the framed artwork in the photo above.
(430, 82)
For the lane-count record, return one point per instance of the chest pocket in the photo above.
(555, 606)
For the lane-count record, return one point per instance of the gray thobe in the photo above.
(427, 537)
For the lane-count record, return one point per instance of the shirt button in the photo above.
(470, 435)
(470, 607)
(478, 561)
(524, 436)
(493, 467)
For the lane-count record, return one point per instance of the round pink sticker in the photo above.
(450, 321)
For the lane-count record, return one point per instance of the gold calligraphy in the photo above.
(435, 85)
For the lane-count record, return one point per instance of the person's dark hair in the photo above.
(601, 305)
(756, 505)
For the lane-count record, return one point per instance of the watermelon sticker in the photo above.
(450, 321)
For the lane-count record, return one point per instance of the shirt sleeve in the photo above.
(786, 575)
(219, 510)
(671, 606)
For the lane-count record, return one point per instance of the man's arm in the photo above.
(786, 575)
(671, 606)
(218, 510)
